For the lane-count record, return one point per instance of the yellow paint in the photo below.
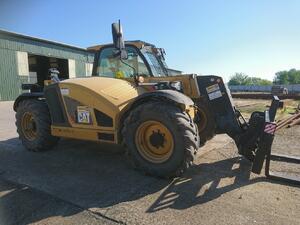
(107, 95)
(189, 83)
(80, 133)
(154, 154)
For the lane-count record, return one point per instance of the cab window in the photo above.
(110, 65)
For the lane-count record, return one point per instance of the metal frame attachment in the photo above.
(264, 148)
(280, 176)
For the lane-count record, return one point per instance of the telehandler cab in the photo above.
(134, 99)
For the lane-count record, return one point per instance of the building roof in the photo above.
(17, 35)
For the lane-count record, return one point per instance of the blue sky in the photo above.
(257, 37)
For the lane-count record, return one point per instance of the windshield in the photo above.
(110, 65)
(157, 65)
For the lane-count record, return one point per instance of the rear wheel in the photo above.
(161, 139)
(34, 125)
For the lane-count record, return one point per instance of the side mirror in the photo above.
(118, 40)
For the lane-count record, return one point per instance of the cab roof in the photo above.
(137, 43)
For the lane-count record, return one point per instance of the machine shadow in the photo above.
(204, 183)
(88, 175)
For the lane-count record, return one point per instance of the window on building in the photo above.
(22, 61)
(39, 66)
(88, 69)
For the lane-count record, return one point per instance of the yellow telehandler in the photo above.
(133, 98)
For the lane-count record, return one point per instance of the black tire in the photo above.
(205, 122)
(182, 129)
(42, 139)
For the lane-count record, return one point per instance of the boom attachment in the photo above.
(254, 138)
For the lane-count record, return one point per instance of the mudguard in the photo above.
(165, 95)
(24, 96)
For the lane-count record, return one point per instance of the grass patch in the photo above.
(290, 107)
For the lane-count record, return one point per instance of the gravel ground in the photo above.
(88, 183)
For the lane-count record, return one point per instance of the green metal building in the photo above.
(25, 59)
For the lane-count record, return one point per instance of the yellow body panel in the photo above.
(81, 133)
(111, 94)
(189, 83)
(107, 95)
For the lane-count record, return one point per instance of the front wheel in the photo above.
(162, 140)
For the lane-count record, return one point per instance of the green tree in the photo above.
(239, 79)
(259, 81)
(243, 79)
(287, 77)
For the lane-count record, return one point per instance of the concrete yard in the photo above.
(88, 183)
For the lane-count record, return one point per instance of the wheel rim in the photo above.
(202, 120)
(29, 126)
(154, 141)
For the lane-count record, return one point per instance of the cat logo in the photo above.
(83, 115)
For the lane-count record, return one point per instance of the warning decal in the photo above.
(213, 92)
(64, 91)
(270, 128)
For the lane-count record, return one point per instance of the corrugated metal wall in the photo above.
(10, 81)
